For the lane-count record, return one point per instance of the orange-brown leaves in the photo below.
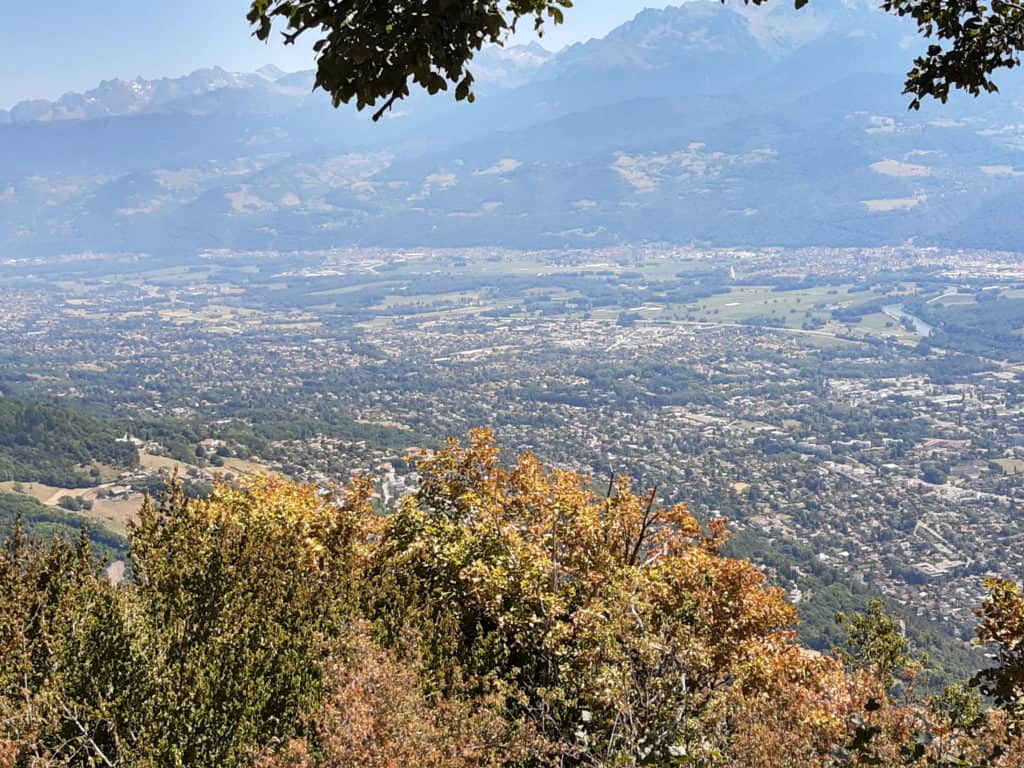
(803, 708)
(1002, 625)
(615, 618)
(376, 715)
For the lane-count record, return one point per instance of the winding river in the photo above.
(897, 311)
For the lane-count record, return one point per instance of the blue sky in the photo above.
(50, 47)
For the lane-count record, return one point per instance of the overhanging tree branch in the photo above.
(369, 53)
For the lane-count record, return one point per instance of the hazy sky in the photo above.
(47, 48)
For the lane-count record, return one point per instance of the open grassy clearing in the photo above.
(1011, 466)
(290, 325)
(521, 267)
(47, 494)
(242, 467)
(181, 276)
(402, 299)
(376, 325)
(793, 308)
(107, 473)
(87, 315)
(231, 466)
(429, 313)
(661, 270)
(115, 514)
(880, 325)
(149, 461)
(77, 287)
(355, 288)
(442, 314)
(954, 299)
(212, 313)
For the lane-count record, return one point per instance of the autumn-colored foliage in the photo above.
(378, 715)
(1002, 625)
(614, 620)
(501, 615)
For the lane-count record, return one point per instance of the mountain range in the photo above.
(702, 123)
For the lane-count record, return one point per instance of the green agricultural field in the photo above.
(427, 301)
(181, 276)
(953, 299)
(881, 325)
(791, 308)
(395, 284)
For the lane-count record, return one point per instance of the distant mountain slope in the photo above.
(114, 98)
(701, 123)
(214, 89)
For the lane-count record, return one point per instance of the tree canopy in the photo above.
(506, 615)
(970, 40)
(368, 52)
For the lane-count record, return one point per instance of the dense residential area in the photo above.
(791, 392)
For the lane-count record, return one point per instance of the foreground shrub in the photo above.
(212, 650)
(502, 615)
(615, 622)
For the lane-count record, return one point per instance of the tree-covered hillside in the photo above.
(45, 443)
(40, 522)
(989, 324)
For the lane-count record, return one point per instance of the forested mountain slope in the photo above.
(700, 123)
(46, 443)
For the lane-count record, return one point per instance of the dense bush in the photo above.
(502, 616)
